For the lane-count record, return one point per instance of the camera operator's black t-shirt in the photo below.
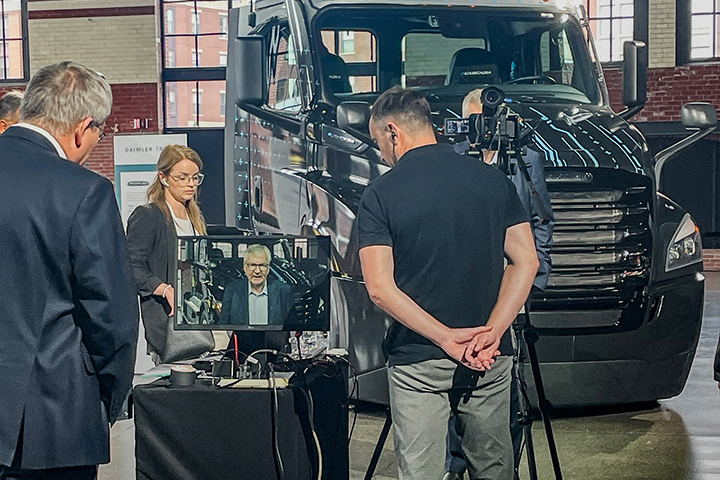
(445, 217)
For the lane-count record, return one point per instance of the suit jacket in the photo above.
(68, 313)
(717, 363)
(542, 233)
(281, 304)
(152, 246)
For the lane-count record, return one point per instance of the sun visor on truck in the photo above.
(453, 25)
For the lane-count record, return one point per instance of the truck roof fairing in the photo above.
(567, 6)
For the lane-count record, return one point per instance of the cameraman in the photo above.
(472, 104)
(542, 233)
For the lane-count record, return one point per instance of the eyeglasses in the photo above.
(100, 128)
(196, 179)
(261, 266)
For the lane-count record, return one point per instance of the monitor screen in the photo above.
(263, 283)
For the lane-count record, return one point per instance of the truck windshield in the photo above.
(540, 55)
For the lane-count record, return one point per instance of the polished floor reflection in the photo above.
(676, 439)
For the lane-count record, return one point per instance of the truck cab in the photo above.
(621, 315)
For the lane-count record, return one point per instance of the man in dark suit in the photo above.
(256, 301)
(68, 311)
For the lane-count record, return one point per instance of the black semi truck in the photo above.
(621, 316)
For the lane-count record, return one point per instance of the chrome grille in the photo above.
(601, 243)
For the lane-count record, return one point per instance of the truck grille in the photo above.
(601, 244)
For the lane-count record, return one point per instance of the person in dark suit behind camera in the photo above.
(542, 234)
(255, 301)
(717, 365)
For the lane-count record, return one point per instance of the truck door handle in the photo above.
(257, 190)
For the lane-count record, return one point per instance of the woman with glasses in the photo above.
(152, 233)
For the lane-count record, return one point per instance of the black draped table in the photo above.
(206, 433)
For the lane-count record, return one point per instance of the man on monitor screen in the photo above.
(255, 301)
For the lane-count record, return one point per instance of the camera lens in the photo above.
(492, 97)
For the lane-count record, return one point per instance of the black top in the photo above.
(445, 215)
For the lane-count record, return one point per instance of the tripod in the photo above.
(527, 335)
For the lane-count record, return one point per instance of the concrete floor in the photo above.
(676, 439)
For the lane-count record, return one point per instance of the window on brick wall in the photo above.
(14, 64)
(612, 23)
(195, 21)
(194, 47)
(197, 102)
(697, 31)
(223, 19)
(196, 56)
(704, 23)
(170, 20)
(172, 102)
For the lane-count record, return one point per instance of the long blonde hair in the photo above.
(169, 157)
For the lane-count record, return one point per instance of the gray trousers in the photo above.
(423, 394)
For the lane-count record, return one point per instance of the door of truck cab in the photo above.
(278, 151)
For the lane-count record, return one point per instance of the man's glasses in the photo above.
(261, 266)
(196, 179)
(100, 128)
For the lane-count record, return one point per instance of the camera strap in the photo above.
(534, 195)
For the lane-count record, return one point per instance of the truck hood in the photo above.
(587, 137)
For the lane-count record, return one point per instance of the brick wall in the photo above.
(661, 26)
(668, 89)
(119, 41)
(711, 260)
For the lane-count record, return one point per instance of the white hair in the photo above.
(472, 98)
(257, 248)
(62, 95)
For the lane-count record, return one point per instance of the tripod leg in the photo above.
(379, 446)
(523, 406)
(530, 339)
(530, 450)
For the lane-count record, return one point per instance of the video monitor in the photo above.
(259, 283)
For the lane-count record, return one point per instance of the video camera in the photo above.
(496, 128)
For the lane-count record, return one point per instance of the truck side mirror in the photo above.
(353, 115)
(249, 54)
(635, 64)
(698, 116)
(695, 116)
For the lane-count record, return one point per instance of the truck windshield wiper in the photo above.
(529, 99)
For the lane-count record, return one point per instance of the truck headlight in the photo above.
(685, 247)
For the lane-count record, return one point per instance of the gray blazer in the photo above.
(152, 247)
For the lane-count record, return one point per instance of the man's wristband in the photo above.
(165, 290)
